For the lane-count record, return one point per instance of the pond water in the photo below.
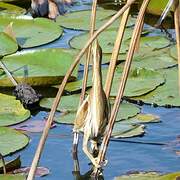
(157, 150)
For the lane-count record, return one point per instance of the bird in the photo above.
(50, 8)
(93, 114)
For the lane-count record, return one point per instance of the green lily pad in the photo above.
(7, 45)
(173, 52)
(154, 60)
(69, 109)
(142, 118)
(167, 94)
(81, 19)
(140, 81)
(121, 130)
(44, 67)
(11, 111)
(127, 111)
(11, 141)
(149, 176)
(157, 7)
(32, 32)
(106, 40)
(151, 42)
(10, 9)
(12, 177)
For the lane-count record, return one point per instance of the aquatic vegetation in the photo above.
(31, 32)
(7, 44)
(40, 67)
(9, 9)
(11, 140)
(12, 111)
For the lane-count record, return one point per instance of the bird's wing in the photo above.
(81, 114)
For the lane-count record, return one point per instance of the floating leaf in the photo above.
(40, 171)
(173, 52)
(32, 32)
(11, 111)
(81, 19)
(44, 67)
(151, 42)
(106, 40)
(12, 177)
(121, 130)
(10, 9)
(69, 109)
(141, 119)
(11, 140)
(140, 81)
(7, 45)
(126, 111)
(167, 94)
(11, 165)
(154, 60)
(156, 7)
(149, 176)
(33, 126)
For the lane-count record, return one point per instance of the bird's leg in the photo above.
(74, 152)
(86, 151)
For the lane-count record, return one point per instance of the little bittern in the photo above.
(92, 115)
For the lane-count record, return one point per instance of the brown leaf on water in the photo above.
(41, 171)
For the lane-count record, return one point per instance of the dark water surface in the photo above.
(155, 151)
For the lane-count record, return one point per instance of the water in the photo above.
(123, 156)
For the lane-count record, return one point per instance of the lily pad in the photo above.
(140, 81)
(12, 177)
(149, 176)
(142, 118)
(69, 109)
(154, 60)
(81, 19)
(11, 141)
(10, 9)
(32, 32)
(11, 111)
(44, 67)
(151, 42)
(167, 94)
(7, 45)
(173, 52)
(106, 40)
(121, 130)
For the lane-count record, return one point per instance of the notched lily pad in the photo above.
(167, 94)
(11, 111)
(11, 141)
(106, 40)
(31, 32)
(121, 130)
(149, 176)
(42, 67)
(81, 19)
(7, 44)
(9, 9)
(140, 81)
(12, 177)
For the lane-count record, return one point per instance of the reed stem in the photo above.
(177, 29)
(136, 32)
(61, 89)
